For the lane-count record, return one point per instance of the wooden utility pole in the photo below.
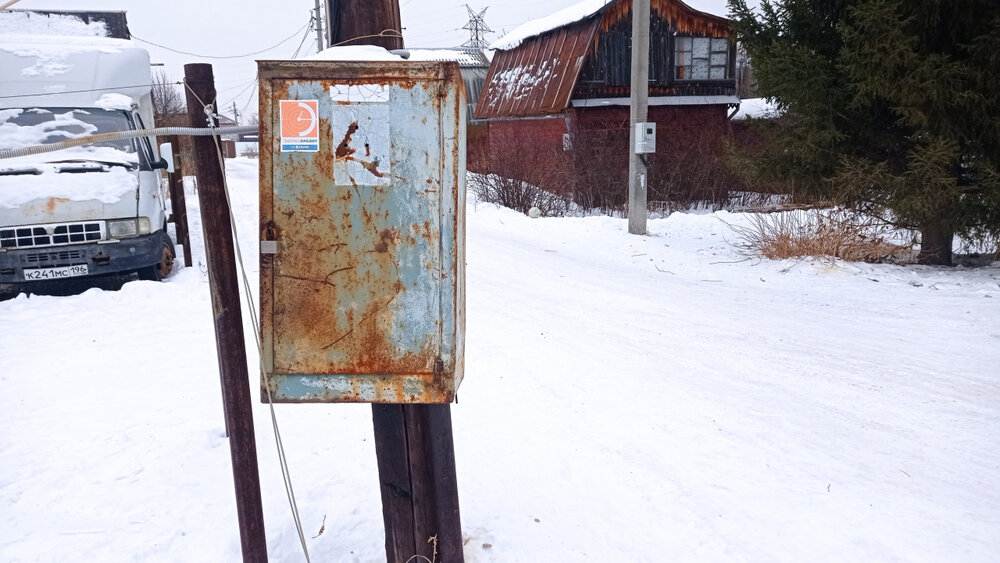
(413, 442)
(362, 22)
(231, 347)
(416, 466)
(178, 206)
(637, 173)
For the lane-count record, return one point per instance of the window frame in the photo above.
(680, 70)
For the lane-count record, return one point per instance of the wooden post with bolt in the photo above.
(221, 258)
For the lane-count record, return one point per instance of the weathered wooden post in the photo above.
(178, 206)
(231, 347)
(416, 467)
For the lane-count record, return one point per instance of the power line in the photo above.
(141, 40)
(304, 37)
(86, 90)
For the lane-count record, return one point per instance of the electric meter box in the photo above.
(362, 230)
(645, 138)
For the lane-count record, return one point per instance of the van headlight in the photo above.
(124, 228)
(128, 227)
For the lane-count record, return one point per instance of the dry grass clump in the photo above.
(837, 233)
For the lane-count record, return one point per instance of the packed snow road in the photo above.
(626, 398)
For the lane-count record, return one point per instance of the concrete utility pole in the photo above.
(637, 177)
(319, 28)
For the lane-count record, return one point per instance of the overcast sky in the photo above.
(226, 28)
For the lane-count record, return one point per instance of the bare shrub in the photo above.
(167, 97)
(837, 233)
(600, 166)
(524, 173)
(517, 195)
(687, 171)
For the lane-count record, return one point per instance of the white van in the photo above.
(88, 210)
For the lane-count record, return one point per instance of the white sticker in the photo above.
(360, 125)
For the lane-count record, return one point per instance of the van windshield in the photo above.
(39, 126)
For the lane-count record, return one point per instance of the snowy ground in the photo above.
(626, 399)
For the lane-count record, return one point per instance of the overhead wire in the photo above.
(278, 44)
(254, 82)
(312, 20)
(84, 91)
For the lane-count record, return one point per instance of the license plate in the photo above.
(55, 273)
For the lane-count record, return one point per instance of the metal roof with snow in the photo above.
(536, 67)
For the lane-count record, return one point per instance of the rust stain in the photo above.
(370, 166)
(386, 238)
(343, 149)
(50, 204)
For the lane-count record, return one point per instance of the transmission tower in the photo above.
(477, 29)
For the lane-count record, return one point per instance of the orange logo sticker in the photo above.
(299, 125)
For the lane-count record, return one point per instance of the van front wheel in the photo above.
(162, 269)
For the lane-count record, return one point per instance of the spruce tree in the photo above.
(890, 106)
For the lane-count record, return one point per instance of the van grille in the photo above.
(56, 256)
(54, 234)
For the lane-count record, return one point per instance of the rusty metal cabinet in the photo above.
(362, 200)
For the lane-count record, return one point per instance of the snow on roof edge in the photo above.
(577, 12)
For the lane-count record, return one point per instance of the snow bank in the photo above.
(757, 108)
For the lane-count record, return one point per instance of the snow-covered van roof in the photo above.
(77, 71)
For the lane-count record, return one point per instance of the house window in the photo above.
(701, 58)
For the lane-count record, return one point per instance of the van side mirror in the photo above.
(166, 158)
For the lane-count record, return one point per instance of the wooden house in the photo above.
(564, 82)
